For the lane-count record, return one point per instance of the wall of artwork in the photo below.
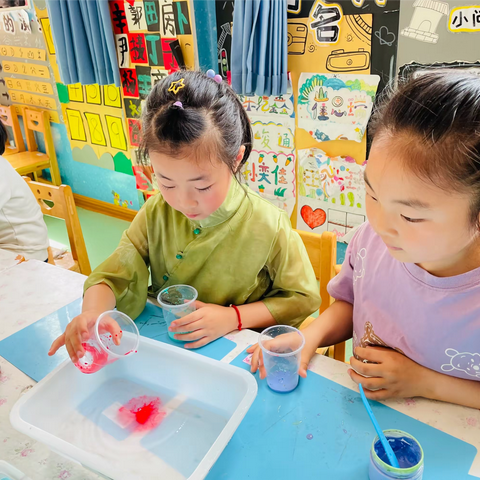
(340, 56)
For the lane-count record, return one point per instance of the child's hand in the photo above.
(281, 342)
(205, 325)
(77, 331)
(393, 374)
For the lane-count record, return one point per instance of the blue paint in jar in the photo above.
(408, 452)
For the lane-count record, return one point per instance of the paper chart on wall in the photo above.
(335, 106)
(331, 193)
(270, 169)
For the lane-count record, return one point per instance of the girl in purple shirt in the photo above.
(409, 289)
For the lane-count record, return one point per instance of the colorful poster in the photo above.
(335, 107)
(331, 193)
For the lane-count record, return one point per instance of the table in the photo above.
(31, 290)
(9, 259)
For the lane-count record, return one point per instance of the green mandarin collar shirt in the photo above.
(244, 252)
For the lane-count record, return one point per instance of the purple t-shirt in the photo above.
(434, 321)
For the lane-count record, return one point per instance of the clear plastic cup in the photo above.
(281, 347)
(177, 301)
(100, 348)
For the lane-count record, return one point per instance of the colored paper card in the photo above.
(169, 60)
(167, 19)
(129, 82)
(27, 349)
(31, 99)
(134, 129)
(182, 18)
(138, 48)
(26, 53)
(335, 106)
(29, 85)
(135, 16)
(157, 74)
(133, 107)
(323, 427)
(154, 49)
(152, 15)
(144, 81)
(28, 69)
(123, 52)
(331, 193)
(119, 20)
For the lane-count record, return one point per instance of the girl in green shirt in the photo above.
(203, 229)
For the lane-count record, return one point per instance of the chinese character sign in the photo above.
(270, 169)
(465, 19)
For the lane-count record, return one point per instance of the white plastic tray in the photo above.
(9, 471)
(76, 414)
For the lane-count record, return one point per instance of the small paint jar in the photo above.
(408, 452)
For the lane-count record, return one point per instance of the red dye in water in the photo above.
(143, 412)
(93, 360)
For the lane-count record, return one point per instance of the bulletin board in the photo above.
(26, 78)
(352, 41)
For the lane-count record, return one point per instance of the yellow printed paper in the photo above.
(116, 132)
(25, 53)
(29, 85)
(95, 128)
(31, 99)
(25, 69)
(111, 96)
(93, 95)
(75, 93)
(47, 33)
(75, 124)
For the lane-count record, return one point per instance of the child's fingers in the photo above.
(366, 369)
(190, 336)
(199, 304)
(200, 343)
(252, 348)
(71, 351)
(109, 325)
(302, 371)
(57, 343)
(374, 383)
(255, 358)
(187, 319)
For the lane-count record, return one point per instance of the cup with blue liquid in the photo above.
(177, 301)
(282, 348)
(408, 452)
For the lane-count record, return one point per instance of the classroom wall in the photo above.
(95, 128)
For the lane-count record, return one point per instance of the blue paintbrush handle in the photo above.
(388, 449)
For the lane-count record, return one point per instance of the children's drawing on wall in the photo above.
(224, 14)
(270, 169)
(281, 105)
(425, 19)
(335, 107)
(331, 193)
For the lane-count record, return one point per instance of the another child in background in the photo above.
(409, 289)
(22, 228)
(204, 229)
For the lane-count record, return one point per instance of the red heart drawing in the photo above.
(313, 218)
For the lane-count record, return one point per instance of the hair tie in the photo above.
(211, 74)
(179, 105)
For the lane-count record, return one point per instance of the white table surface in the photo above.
(31, 290)
(8, 259)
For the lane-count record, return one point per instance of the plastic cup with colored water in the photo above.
(101, 349)
(281, 347)
(409, 454)
(177, 301)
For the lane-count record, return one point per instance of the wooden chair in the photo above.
(322, 251)
(58, 202)
(8, 116)
(33, 161)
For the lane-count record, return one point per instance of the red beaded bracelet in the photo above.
(238, 315)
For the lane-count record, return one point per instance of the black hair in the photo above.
(3, 138)
(210, 113)
(436, 115)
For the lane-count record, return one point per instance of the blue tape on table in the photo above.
(27, 349)
(321, 430)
